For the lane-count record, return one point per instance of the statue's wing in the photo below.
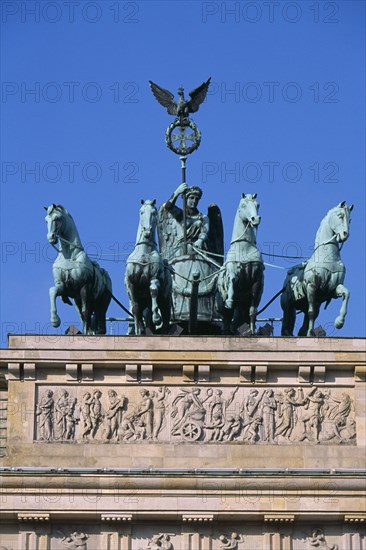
(170, 232)
(165, 98)
(216, 235)
(197, 96)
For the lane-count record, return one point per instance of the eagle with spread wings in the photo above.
(182, 107)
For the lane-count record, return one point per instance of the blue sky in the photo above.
(284, 118)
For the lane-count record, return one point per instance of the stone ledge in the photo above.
(116, 517)
(279, 518)
(198, 517)
(355, 518)
(33, 517)
(190, 343)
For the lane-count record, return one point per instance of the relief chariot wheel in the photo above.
(191, 431)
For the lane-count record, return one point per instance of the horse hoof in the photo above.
(229, 304)
(157, 321)
(56, 321)
(339, 322)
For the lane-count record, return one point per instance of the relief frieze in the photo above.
(241, 415)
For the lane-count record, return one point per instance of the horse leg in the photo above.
(225, 313)
(240, 316)
(289, 315)
(252, 318)
(154, 292)
(255, 299)
(341, 292)
(313, 308)
(305, 325)
(164, 300)
(164, 306)
(230, 278)
(137, 315)
(55, 291)
(135, 309)
(100, 313)
(86, 309)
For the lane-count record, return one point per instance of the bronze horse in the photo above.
(147, 277)
(240, 282)
(319, 279)
(75, 275)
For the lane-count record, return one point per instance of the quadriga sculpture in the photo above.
(75, 275)
(319, 279)
(147, 276)
(240, 282)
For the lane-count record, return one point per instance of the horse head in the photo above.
(148, 220)
(339, 220)
(248, 210)
(55, 220)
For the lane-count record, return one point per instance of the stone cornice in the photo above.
(189, 343)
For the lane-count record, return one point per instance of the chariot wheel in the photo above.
(191, 431)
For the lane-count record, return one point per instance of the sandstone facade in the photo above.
(183, 443)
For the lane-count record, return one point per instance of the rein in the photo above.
(153, 245)
(329, 242)
(238, 239)
(67, 242)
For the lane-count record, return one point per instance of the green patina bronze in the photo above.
(320, 279)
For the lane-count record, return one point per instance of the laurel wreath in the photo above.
(183, 124)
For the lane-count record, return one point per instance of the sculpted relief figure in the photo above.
(231, 542)
(288, 401)
(220, 404)
(217, 424)
(311, 415)
(128, 431)
(214, 428)
(85, 414)
(76, 540)
(45, 411)
(231, 429)
(61, 409)
(91, 414)
(317, 540)
(65, 420)
(338, 424)
(166, 543)
(212, 415)
(268, 409)
(113, 415)
(96, 413)
(145, 412)
(187, 407)
(250, 412)
(159, 406)
(159, 542)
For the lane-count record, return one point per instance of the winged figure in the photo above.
(203, 231)
(182, 107)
